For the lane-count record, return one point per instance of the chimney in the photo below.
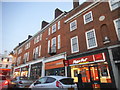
(29, 36)
(58, 12)
(44, 23)
(75, 3)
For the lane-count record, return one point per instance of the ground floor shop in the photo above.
(55, 68)
(24, 71)
(95, 69)
(36, 70)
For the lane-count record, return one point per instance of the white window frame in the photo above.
(75, 26)
(48, 46)
(110, 5)
(59, 41)
(72, 45)
(40, 36)
(54, 28)
(35, 40)
(20, 51)
(58, 25)
(94, 38)
(40, 50)
(26, 57)
(18, 60)
(52, 41)
(49, 31)
(116, 28)
(85, 22)
(27, 46)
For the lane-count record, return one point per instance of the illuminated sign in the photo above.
(87, 59)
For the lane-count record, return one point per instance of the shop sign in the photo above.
(54, 64)
(17, 70)
(87, 59)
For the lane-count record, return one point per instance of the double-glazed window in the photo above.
(114, 4)
(91, 39)
(73, 25)
(88, 17)
(54, 28)
(117, 26)
(74, 44)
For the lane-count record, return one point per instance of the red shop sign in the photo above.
(87, 59)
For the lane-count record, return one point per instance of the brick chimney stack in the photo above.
(44, 23)
(58, 12)
(75, 3)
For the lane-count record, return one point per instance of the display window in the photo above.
(56, 71)
(98, 73)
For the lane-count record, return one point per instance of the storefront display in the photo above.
(55, 68)
(36, 70)
(16, 72)
(93, 68)
(24, 71)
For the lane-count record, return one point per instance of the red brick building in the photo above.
(85, 39)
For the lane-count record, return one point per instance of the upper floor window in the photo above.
(35, 52)
(40, 50)
(114, 4)
(35, 40)
(40, 36)
(53, 47)
(18, 60)
(74, 44)
(117, 27)
(58, 25)
(73, 25)
(49, 31)
(20, 51)
(91, 39)
(26, 57)
(88, 17)
(48, 46)
(58, 41)
(27, 46)
(54, 28)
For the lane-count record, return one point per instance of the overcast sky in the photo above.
(20, 19)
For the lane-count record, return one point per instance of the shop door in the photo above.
(94, 76)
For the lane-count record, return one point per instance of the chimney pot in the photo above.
(75, 3)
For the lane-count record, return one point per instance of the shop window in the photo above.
(104, 74)
(75, 73)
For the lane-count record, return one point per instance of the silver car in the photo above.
(54, 82)
(22, 82)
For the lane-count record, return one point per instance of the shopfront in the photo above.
(36, 70)
(94, 70)
(55, 68)
(16, 72)
(24, 71)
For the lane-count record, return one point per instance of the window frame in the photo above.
(110, 5)
(75, 26)
(94, 38)
(72, 45)
(90, 12)
(48, 46)
(116, 28)
(54, 29)
(58, 25)
(59, 41)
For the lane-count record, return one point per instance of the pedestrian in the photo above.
(80, 83)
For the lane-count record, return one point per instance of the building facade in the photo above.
(85, 39)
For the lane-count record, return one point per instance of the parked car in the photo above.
(54, 82)
(4, 82)
(22, 82)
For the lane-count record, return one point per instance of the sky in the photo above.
(20, 19)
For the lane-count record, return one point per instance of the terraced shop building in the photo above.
(85, 39)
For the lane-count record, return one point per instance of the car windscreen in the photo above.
(2, 78)
(67, 81)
